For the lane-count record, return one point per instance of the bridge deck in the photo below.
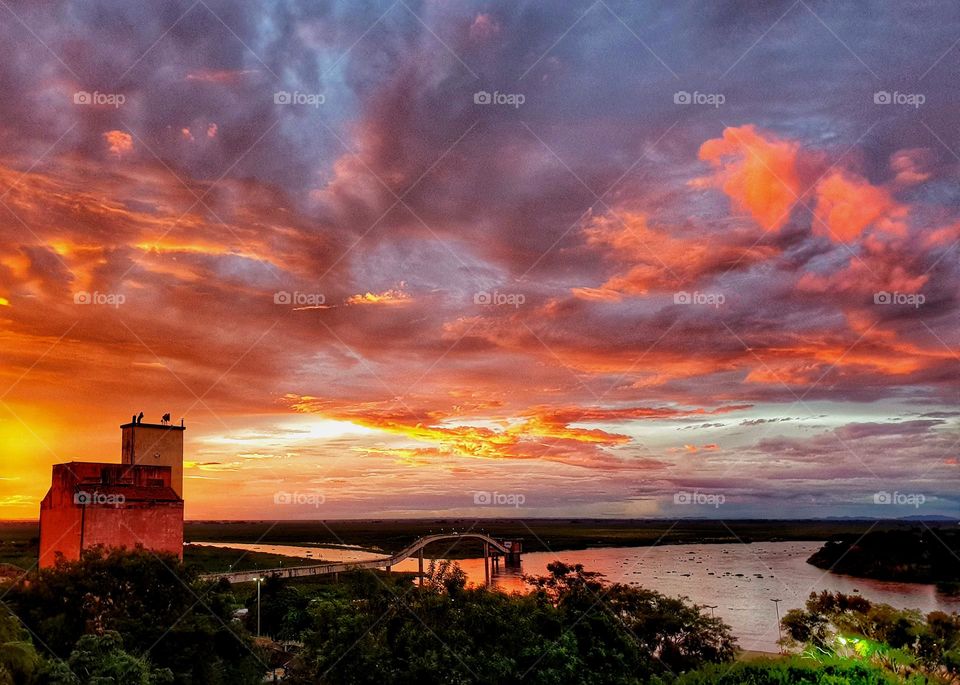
(343, 567)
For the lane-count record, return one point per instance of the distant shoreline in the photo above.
(825, 520)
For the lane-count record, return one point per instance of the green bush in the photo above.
(794, 671)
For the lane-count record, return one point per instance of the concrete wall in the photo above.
(157, 526)
(151, 444)
(68, 526)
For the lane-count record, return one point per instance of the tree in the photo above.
(899, 640)
(573, 629)
(100, 659)
(162, 610)
(19, 661)
(639, 631)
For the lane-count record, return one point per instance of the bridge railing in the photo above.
(342, 567)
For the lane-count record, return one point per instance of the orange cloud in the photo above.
(758, 172)
(545, 433)
(656, 259)
(118, 142)
(392, 296)
(847, 205)
(694, 449)
(880, 265)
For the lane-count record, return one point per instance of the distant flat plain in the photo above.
(18, 540)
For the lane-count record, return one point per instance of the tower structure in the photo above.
(138, 502)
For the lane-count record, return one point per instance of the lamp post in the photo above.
(776, 603)
(711, 607)
(259, 580)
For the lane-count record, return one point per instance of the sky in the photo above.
(398, 259)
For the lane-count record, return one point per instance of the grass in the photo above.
(19, 543)
(217, 559)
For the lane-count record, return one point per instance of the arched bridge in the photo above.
(509, 549)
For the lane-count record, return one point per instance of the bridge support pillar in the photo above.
(486, 563)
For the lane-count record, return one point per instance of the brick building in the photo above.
(136, 502)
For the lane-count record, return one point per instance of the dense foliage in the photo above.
(796, 671)
(913, 556)
(133, 618)
(904, 642)
(19, 661)
(572, 628)
(78, 612)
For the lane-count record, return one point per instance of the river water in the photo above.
(739, 579)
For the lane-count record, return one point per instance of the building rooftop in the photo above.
(171, 426)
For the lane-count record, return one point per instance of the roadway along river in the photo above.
(739, 579)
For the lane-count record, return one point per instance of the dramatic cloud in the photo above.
(758, 172)
(396, 253)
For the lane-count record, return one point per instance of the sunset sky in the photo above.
(383, 257)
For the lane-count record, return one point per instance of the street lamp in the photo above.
(776, 603)
(711, 607)
(259, 580)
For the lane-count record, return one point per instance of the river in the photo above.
(739, 579)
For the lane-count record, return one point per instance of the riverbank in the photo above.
(920, 555)
(537, 535)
